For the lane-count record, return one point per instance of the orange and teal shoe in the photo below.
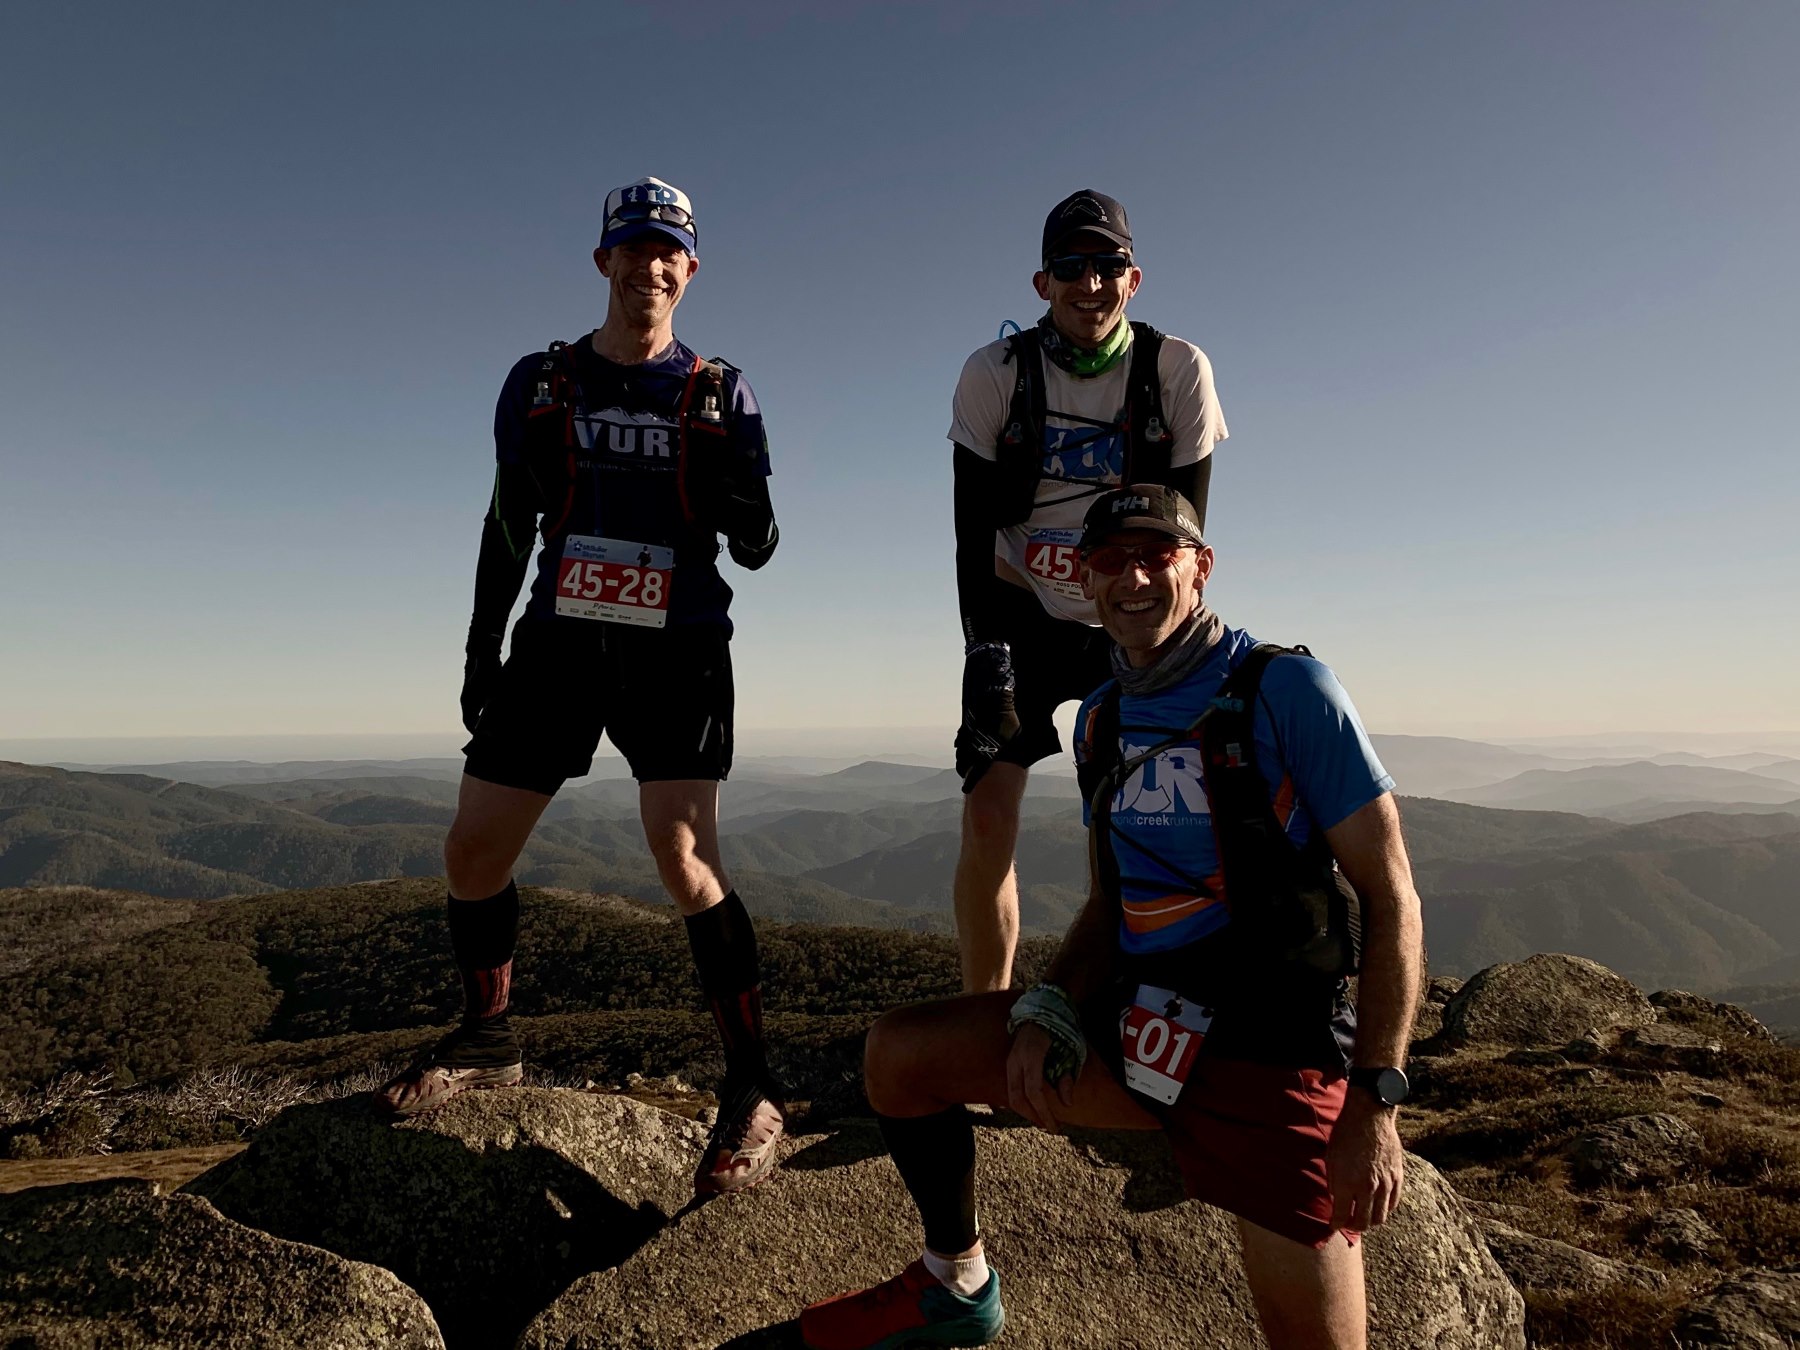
(913, 1308)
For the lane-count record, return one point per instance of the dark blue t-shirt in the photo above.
(618, 479)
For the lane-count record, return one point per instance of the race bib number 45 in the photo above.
(1051, 556)
(1160, 1035)
(614, 581)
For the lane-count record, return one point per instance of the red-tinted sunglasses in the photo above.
(1111, 560)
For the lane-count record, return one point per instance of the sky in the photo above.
(1500, 299)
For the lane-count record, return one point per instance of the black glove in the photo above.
(989, 718)
(481, 677)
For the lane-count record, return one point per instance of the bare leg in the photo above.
(681, 825)
(986, 888)
(1308, 1298)
(490, 830)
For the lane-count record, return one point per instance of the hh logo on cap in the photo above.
(1124, 506)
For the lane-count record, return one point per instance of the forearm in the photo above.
(1388, 988)
(499, 572)
(751, 532)
(1194, 481)
(977, 484)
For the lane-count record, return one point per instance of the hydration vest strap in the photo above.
(1149, 444)
(555, 392)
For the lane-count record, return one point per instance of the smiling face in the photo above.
(1145, 605)
(646, 278)
(1086, 309)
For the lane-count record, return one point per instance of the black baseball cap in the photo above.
(1085, 212)
(1143, 506)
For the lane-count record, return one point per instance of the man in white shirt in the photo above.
(1043, 422)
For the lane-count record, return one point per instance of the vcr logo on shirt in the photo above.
(617, 432)
(1170, 783)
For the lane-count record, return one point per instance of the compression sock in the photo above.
(483, 934)
(723, 941)
(935, 1156)
(965, 1275)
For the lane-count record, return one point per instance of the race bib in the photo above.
(1160, 1034)
(1051, 557)
(615, 581)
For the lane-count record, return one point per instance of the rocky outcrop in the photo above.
(1635, 1151)
(1547, 1266)
(1680, 1236)
(488, 1206)
(118, 1264)
(1679, 1006)
(1755, 1311)
(1671, 1046)
(1095, 1245)
(1545, 1000)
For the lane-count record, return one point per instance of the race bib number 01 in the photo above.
(614, 581)
(1052, 557)
(1160, 1035)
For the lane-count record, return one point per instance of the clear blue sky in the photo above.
(1501, 300)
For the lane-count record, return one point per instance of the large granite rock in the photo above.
(1635, 1151)
(488, 1206)
(1095, 1245)
(1758, 1310)
(120, 1265)
(1543, 1000)
(1679, 1006)
(1548, 1266)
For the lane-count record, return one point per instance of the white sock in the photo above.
(965, 1275)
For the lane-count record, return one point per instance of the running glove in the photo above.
(989, 718)
(481, 676)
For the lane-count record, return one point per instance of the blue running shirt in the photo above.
(1312, 751)
(628, 434)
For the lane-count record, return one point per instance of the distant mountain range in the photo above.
(1703, 900)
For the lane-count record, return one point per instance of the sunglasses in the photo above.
(1111, 560)
(1073, 266)
(631, 213)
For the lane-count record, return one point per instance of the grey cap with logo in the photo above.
(1142, 506)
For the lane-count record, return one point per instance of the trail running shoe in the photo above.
(742, 1148)
(485, 1055)
(913, 1308)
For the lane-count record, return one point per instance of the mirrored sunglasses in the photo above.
(1072, 266)
(1112, 559)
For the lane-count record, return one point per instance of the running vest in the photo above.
(1292, 911)
(556, 393)
(1019, 453)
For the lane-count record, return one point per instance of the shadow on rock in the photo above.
(489, 1207)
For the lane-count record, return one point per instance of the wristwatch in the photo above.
(1388, 1086)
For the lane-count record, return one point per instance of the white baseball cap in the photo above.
(645, 207)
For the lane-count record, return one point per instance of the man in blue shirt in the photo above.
(629, 455)
(1278, 1098)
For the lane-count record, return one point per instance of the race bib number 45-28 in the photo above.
(614, 581)
(1160, 1034)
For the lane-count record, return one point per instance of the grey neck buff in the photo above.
(1182, 655)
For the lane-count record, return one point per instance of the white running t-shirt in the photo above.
(1084, 453)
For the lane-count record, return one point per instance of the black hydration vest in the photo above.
(1294, 915)
(556, 393)
(1020, 450)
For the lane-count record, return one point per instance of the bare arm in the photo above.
(1084, 962)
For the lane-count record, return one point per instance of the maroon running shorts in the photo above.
(1250, 1138)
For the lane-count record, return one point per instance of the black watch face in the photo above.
(1391, 1087)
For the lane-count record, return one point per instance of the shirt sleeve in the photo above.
(1320, 740)
(1190, 401)
(747, 424)
(983, 393)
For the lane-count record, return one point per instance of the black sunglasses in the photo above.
(629, 213)
(1073, 266)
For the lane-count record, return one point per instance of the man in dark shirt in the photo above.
(630, 456)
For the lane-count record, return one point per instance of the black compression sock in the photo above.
(723, 941)
(483, 934)
(935, 1156)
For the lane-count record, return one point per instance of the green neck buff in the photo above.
(1083, 360)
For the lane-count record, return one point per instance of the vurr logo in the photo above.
(621, 433)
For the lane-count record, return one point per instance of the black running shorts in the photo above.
(1055, 661)
(662, 695)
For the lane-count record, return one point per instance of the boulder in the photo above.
(119, 1264)
(1543, 1000)
(1635, 1151)
(1544, 1265)
(1679, 1235)
(1440, 989)
(1680, 1007)
(1096, 1247)
(1759, 1310)
(1672, 1046)
(487, 1206)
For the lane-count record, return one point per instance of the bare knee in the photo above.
(887, 1061)
(474, 866)
(991, 822)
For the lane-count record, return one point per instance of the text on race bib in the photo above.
(1160, 1034)
(1053, 558)
(614, 581)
